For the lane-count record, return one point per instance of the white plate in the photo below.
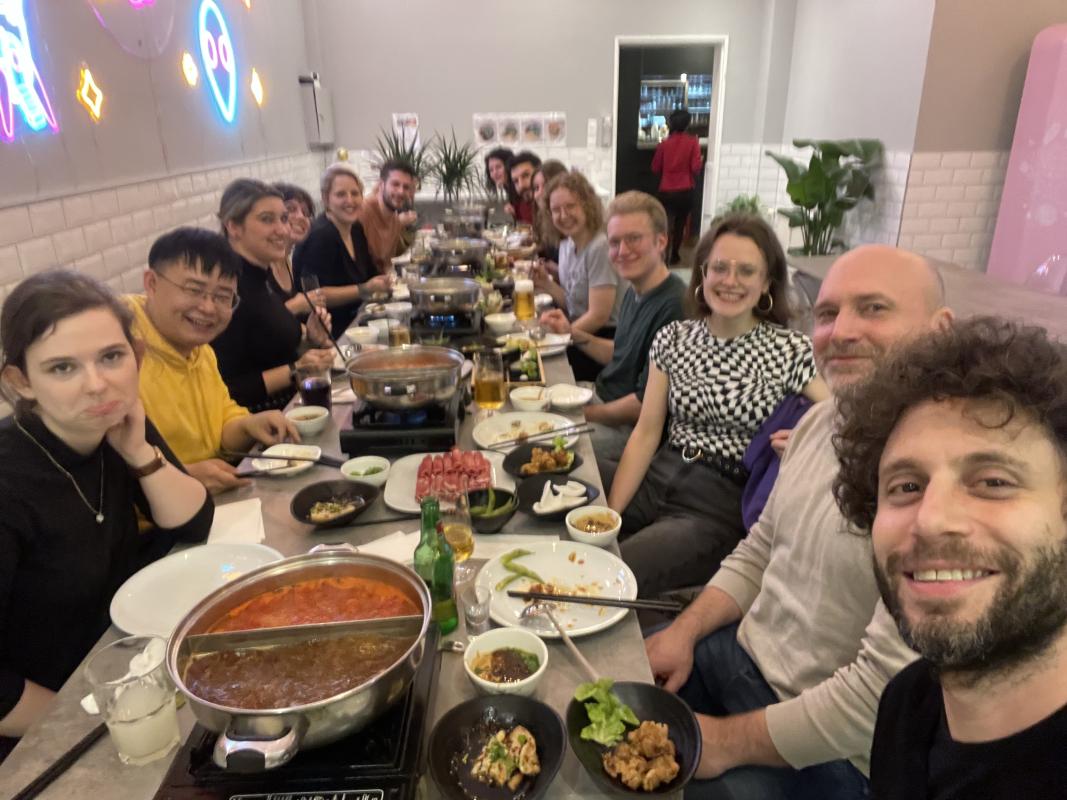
(568, 397)
(564, 564)
(288, 451)
(153, 601)
(499, 428)
(554, 343)
(399, 492)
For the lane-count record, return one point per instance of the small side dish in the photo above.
(507, 757)
(329, 510)
(555, 459)
(505, 665)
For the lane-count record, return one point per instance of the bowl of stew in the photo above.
(506, 661)
(595, 525)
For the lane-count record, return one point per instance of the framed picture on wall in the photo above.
(533, 129)
(485, 128)
(556, 128)
(406, 125)
(508, 129)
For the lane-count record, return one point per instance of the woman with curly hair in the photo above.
(544, 231)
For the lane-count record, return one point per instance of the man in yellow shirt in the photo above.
(190, 293)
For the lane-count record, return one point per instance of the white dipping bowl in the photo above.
(309, 420)
(529, 398)
(595, 539)
(362, 334)
(500, 323)
(567, 397)
(518, 638)
(362, 464)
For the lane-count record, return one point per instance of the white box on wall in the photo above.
(318, 111)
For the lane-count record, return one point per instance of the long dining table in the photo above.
(617, 652)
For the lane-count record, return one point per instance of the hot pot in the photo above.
(257, 739)
(406, 377)
(445, 295)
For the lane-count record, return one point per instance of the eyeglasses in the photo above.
(631, 239)
(227, 301)
(723, 267)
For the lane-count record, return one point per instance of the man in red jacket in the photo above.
(677, 161)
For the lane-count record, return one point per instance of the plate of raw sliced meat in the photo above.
(415, 476)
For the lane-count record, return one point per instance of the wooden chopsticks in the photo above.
(61, 764)
(570, 430)
(671, 606)
(328, 461)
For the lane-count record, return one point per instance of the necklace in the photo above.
(99, 512)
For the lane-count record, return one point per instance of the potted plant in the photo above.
(455, 167)
(744, 204)
(392, 147)
(838, 176)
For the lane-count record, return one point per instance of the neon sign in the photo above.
(189, 69)
(216, 53)
(90, 95)
(256, 85)
(20, 82)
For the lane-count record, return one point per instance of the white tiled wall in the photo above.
(107, 233)
(951, 204)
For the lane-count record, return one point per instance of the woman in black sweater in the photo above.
(260, 349)
(336, 250)
(80, 461)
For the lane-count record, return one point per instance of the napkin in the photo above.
(239, 523)
(397, 546)
(343, 394)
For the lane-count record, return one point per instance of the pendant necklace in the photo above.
(98, 512)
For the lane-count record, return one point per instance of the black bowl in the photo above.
(514, 460)
(648, 702)
(492, 524)
(530, 492)
(362, 494)
(463, 731)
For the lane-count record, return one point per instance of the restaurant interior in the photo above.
(123, 120)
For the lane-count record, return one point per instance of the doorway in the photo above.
(653, 76)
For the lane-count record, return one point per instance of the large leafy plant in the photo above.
(838, 176)
(392, 147)
(455, 167)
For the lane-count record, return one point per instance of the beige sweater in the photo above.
(813, 621)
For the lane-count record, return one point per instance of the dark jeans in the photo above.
(726, 681)
(678, 206)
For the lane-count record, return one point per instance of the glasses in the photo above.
(631, 239)
(225, 300)
(723, 267)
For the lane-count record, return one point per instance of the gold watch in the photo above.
(155, 465)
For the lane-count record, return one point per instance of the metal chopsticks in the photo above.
(570, 430)
(671, 606)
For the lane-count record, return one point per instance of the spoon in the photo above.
(453, 646)
(540, 609)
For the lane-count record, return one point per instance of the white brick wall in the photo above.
(951, 204)
(107, 233)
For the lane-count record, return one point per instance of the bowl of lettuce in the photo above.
(602, 713)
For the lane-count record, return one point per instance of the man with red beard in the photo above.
(953, 456)
(785, 653)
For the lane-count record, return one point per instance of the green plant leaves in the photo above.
(455, 166)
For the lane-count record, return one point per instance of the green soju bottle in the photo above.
(426, 552)
(444, 605)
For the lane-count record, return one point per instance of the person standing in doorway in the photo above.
(677, 161)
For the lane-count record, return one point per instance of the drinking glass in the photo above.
(523, 302)
(456, 524)
(489, 381)
(475, 603)
(136, 697)
(314, 386)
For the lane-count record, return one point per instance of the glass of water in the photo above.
(475, 603)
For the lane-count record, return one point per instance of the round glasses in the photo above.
(224, 300)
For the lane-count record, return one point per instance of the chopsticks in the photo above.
(61, 764)
(672, 606)
(570, 430)
(327, 461)
(314, 313)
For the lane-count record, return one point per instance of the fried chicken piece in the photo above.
(645, 760)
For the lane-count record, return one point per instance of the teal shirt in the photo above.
(639, 320)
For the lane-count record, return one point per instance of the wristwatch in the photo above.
(155, 465)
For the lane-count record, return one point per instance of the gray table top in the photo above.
(617, 652)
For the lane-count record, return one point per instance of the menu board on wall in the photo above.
(520, 128)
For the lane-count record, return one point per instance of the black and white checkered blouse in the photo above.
(722, 390)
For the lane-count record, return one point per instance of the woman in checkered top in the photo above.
(713, 379)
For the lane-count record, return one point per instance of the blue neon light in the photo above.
(217, 56)
(20, 82)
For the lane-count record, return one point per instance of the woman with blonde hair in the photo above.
(588, 283)
(336, 249)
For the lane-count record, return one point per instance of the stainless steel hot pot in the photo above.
(252, 740)
(445, 295)
(405, 378)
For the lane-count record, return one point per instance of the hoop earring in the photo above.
(696, 292)
(770, 304)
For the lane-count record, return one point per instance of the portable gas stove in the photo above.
(452, 324)
(381, 762)
(434, 428)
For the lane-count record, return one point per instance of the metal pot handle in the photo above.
(325, 547)
(399, 391)
(258, 754)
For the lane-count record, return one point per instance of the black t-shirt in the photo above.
(324, 255)
(262, 334)
(914, 757)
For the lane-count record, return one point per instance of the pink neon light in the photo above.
(142, 3)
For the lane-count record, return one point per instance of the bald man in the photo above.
(785, 653)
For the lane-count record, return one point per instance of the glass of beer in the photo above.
(523, 299)
(489, 381)
(456, 525)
